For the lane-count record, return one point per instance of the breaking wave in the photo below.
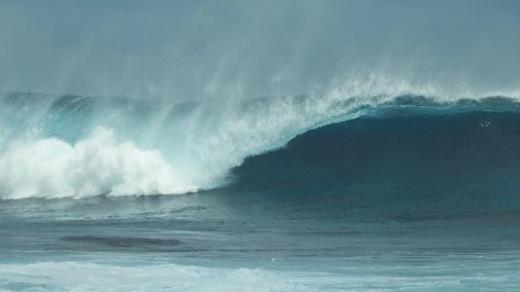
(73, 146)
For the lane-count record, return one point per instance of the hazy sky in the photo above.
(190, 49)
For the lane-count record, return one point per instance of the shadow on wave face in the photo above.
(400, 166)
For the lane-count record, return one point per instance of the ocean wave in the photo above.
(72, 146)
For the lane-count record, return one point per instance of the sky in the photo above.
(214, 49)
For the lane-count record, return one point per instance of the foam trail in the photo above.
(165, 277)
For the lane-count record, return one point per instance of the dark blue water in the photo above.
(400, 198)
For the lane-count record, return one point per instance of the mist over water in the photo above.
(235, 50)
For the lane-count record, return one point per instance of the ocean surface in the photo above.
(298, 193)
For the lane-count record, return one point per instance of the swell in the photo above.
(72, 146)
(399, 163)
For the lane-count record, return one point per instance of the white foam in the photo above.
(96, 165)
(75, 276)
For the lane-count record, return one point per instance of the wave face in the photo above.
(399, 164)
(72, 146)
